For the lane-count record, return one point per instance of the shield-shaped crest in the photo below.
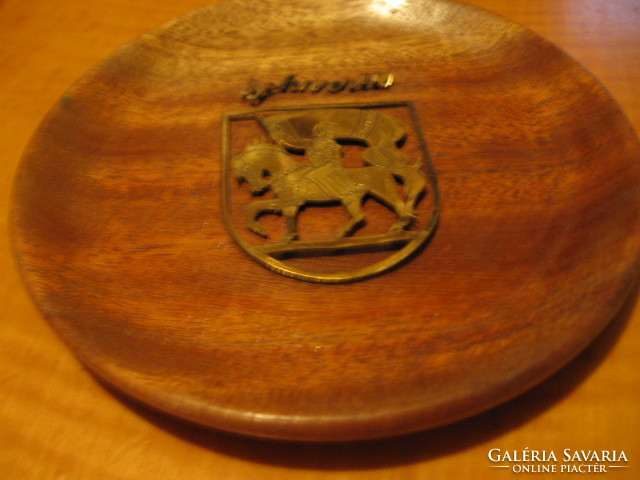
(329, 194)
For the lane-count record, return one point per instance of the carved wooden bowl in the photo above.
(119, 217)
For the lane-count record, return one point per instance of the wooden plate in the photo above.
(119, 217)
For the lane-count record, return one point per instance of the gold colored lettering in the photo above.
(316, 87)
(336, 87)
(255, 93)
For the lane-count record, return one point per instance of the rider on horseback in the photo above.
(325, 156)
(324, 149)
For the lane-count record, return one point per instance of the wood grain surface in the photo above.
(60, 423)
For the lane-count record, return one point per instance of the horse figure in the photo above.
(295, 185)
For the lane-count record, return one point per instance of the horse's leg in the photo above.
(415, 181)
(403, 210)
(255, 210)
(291, 218)
(353, 204)
(383, 187)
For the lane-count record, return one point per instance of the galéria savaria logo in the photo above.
(551, 461)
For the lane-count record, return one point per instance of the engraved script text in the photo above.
(255, 93)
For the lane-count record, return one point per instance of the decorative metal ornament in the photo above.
(302, 167)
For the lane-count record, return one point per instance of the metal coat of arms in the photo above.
(329, 194)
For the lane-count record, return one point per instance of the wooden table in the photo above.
(59, 422)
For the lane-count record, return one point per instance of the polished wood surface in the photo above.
(60, 422)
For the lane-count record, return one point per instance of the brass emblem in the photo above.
(333, 194)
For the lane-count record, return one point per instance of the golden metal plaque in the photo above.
(369, 161)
